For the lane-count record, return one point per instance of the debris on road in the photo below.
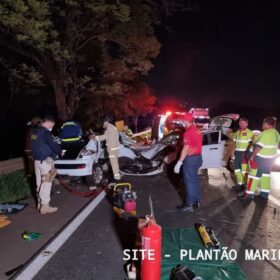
(29, 235)
(11, 208)
(47, 253)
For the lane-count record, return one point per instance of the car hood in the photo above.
(150, 152)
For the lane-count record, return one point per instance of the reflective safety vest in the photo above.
(268, 141)
(242, 138)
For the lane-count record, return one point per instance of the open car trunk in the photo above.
(72, 149)
(224, 122)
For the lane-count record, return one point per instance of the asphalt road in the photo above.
(95, 250)
(14, 250)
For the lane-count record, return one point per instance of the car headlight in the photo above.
(85, 152)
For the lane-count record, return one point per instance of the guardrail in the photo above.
(11, 165)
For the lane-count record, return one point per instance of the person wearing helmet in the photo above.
(191, 160)
(111, 135)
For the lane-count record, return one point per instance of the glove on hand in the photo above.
(177, 167)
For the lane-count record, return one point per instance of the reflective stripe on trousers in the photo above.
(114, 161)
(240, 168)
(259, 174)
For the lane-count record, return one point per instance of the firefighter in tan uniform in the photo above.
(111, 135)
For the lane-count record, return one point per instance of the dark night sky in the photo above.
(226, 51)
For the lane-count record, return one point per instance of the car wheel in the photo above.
(97, 175)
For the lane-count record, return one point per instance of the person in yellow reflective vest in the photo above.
(261, 157)
(242, 138)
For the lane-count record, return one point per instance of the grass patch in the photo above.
(13, 187)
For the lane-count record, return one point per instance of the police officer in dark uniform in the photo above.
(44, 151)
(29, 162)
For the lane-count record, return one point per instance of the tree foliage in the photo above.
(87, 50)
(136, 99)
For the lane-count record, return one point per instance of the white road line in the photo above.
(47, 252)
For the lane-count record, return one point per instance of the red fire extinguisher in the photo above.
(151, 243)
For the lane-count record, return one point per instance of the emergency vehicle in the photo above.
(162, 124)
(201, 117)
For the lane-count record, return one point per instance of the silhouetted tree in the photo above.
(82, 48)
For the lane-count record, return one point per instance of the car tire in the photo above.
(97, 176)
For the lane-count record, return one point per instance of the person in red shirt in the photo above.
(191, 160)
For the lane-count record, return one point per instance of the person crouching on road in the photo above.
(191, 160)
(243, 139)
(111, 135)
(261, 157)
(44, 151)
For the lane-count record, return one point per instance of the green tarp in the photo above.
(175, 240)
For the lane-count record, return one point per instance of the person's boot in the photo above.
(242, 194)
(264, 195)
(188, 209)
(238, 188)
(197, 204)
(245, 197)
(46, 209)
(181, 206)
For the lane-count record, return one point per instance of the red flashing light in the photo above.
(168, 113)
